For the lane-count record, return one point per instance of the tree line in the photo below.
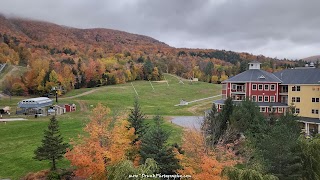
(271, 147)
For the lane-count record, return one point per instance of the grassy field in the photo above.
(19, 139)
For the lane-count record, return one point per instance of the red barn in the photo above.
(259, 86)
(70, 107)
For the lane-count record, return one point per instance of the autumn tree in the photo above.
(53, 148)
(154, 146)
(200, 161)
(106, 144)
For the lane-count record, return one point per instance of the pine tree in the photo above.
(224, 116)
(52, 147)
(154, 146)
(211, 127)
(136, 118)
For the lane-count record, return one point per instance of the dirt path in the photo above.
(82, 94)
(83, 105)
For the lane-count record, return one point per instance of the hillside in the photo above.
(74, 58)
(312, 58)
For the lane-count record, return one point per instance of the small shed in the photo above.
(34, 106)
(70, 107)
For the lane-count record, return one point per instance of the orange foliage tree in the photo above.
(106, 144)
(199, 161)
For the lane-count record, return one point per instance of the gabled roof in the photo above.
(299, 76)
(254, 75)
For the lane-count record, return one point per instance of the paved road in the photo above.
(188, 121)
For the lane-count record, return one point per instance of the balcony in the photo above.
(283, 90)
(238, 89)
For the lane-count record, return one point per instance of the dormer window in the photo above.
(261, 77)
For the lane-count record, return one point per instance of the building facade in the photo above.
(257, 85)
(275, 92)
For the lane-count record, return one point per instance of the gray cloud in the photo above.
(283, 29)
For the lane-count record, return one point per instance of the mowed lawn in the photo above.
(19, 139)
(161, 100)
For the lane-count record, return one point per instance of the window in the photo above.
(293, 99)
(266, 99)
(254, 98)
(224, 86)
(272, 99)
(315, 111)
(297, 99)
(280, 110)
(234, 86)
(297, 110)
(269, 109)
(266, 87)
(296, 88)
(260, 98)
(315, 99)
(260, 87)
(254, 87)
(272, 87)
(262, 109)
(274, 109)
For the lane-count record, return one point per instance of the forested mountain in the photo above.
(73, 58)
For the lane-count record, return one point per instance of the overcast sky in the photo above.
(275, 28)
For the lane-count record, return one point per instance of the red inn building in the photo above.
(259, 86)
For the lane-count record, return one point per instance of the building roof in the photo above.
(260, 104)
(35, 102)
(254, 75)
(309, 120)
(299, 76)
(254, 61)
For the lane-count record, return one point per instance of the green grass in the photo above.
(160, 101)
(19, 139)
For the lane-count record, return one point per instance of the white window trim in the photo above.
(262, 108)
(274, 87)
(264, 99)
(259, 88)
(274, 98)
(255, 98)
(255, 88)
(259, 98)
(280, 110)
(264, 87)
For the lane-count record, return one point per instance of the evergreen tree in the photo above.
(310, 148)
(225, 114)
(154, 146)
(211, 127)
(136, 118)
(52, 147)
(279, 148)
